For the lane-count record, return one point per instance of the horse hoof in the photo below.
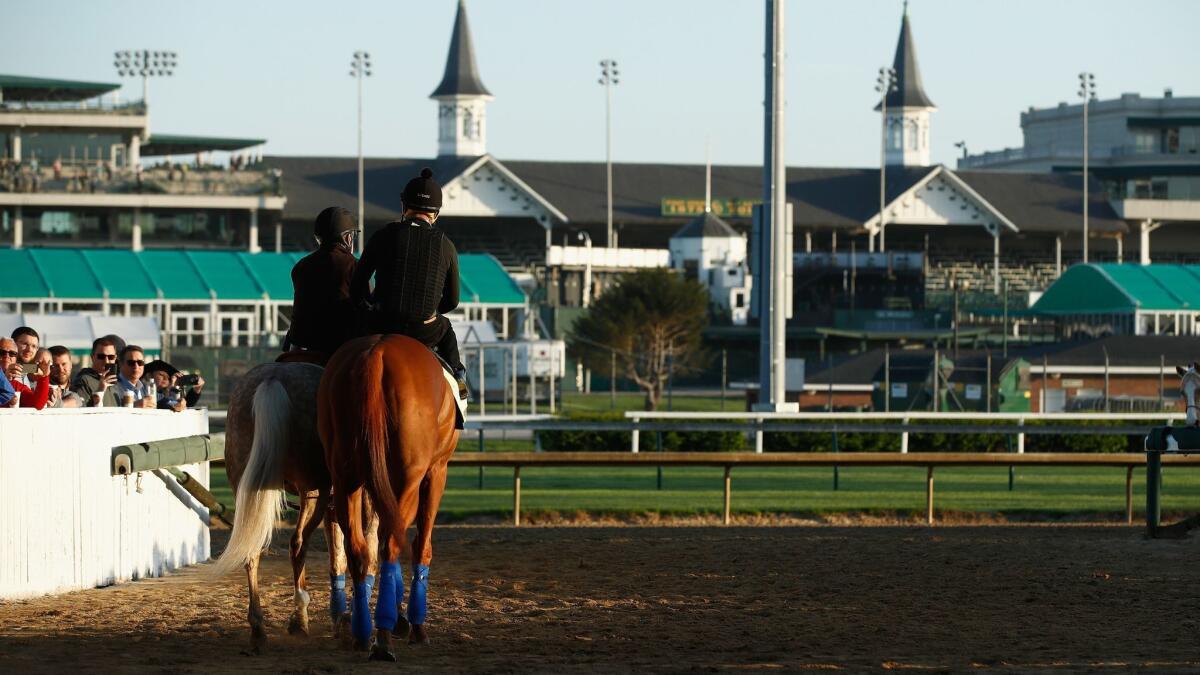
(401, 629)
(297, 626)
(418, 636)
(380, 654)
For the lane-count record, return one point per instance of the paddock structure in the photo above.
(70, 524)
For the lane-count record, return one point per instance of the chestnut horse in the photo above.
(271, 445)
(386, 416)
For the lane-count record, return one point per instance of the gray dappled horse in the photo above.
(272, 446)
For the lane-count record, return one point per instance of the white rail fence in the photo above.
(66, 523)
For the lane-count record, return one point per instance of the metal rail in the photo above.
(517, 460)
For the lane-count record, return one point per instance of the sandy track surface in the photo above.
(619, 599)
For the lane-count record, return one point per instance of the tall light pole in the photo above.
(360, 67)
(608, 79)
(885, 84)
(1087, 91)
(587, 267)
(145, 63)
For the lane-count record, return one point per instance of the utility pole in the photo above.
(360, 67)
(773, 318)
(609, 79)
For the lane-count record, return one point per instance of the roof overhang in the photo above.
(144, 201)
(42, 89)
(159, 145)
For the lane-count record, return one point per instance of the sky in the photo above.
(691, 71)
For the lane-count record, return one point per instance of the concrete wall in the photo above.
(67, 524)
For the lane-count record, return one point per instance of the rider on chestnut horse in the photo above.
(416, 276)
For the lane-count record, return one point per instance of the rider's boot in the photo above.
(464, 389)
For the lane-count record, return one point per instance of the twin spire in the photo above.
(462, 98)
(462, 73)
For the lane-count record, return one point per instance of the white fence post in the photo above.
(758, 434)
(635, 438)
(904, 438)
(1021, 438)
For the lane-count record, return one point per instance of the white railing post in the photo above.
(635, 437)
(904, 438)
(1021, 438)
(758, 434)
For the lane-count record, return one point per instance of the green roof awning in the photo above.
(35, 89)
(197, 276)
(1110, 288)
(170, 144)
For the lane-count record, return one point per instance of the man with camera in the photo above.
(176, 391)
(27, 340)
(93, 384)
(34, 396)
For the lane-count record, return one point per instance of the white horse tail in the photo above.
(260, 490)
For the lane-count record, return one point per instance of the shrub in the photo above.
(560, 440)
(858, 441)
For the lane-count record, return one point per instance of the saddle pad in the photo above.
(462, 405)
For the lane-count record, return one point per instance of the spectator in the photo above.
(61, 395)
(94, 385)
(8, 397)
(27, 340)
(31, 397)
(129, 382)
(172, 395)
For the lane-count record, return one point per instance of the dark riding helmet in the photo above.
(331, 223)
(423, 193)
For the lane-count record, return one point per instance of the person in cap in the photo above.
(322, 314)
(416, 275)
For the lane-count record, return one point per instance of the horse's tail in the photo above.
(375, 434)
(260, 491)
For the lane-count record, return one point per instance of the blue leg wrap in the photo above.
(360, 618)
(386, 611)
(337, 595)
(416, 595)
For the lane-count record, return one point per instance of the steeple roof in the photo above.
(909, 92)
(705, 225)
(462, 74)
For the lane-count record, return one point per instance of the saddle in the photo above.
(321, 358)
(307, 356)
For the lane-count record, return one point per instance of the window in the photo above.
(894, 134)
(912, 134)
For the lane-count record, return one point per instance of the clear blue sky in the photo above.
(690, 68)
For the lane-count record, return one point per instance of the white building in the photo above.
(908, 107)
(708, 250)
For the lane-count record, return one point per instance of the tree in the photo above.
(651, 320)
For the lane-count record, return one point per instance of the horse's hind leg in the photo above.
(258, 635)
(432, 488)
(387, 605)
(339, 615)
(350, 517)
(312, 507)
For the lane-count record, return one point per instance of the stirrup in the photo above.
(464, 388)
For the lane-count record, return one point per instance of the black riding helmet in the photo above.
(423, 193)
(331, 223)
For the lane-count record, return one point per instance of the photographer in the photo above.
(95, 385)
(176, 391)
(34, 396)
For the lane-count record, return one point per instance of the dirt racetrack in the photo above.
(618, 599)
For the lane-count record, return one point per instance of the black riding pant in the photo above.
(437, 334)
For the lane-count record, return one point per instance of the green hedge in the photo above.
(618, 441)
(936, 442)
(795, 441)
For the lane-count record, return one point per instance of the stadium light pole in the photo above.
(1087, 91)
(145, 63)
(608, 79)
(360, 67)
(885, 84)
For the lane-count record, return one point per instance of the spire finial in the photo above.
(905, 12)
(707, 175)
